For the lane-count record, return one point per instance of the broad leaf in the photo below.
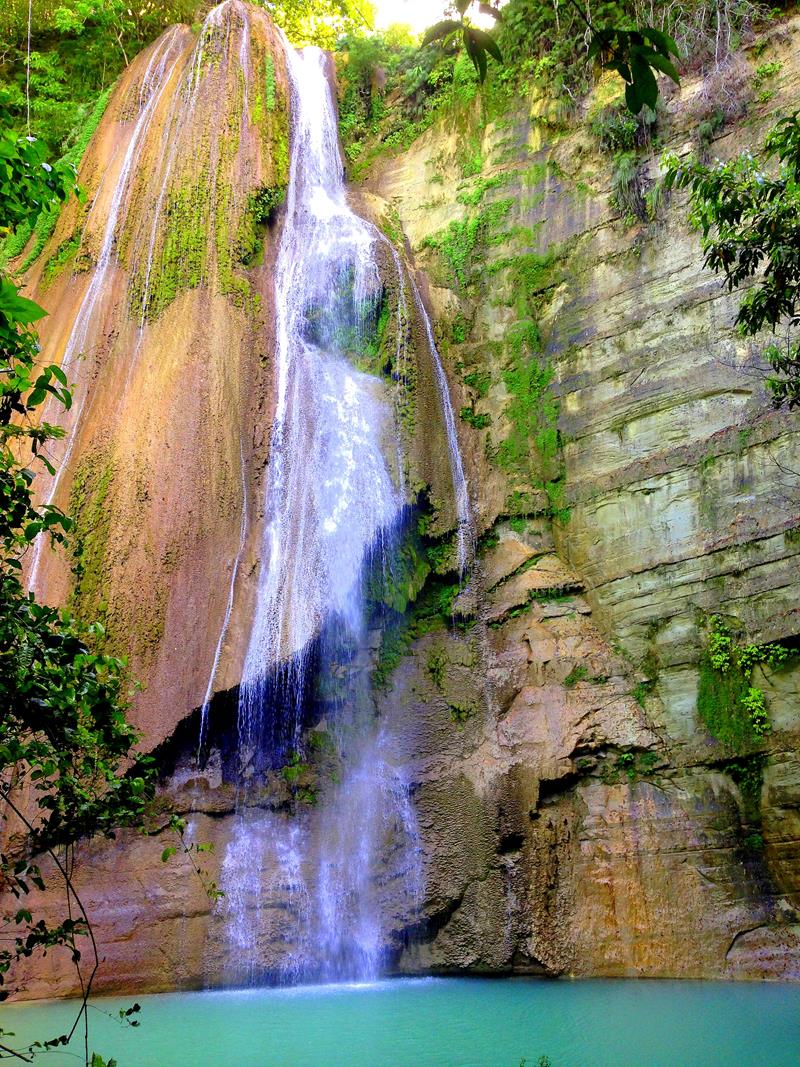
(660, 62)
(18, 308)
(644, 80)
(663, 42)
(487, 42)
(440, 30)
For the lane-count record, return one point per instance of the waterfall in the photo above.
(333, 503)
(465, 528)
(322, 885)
(330, 493)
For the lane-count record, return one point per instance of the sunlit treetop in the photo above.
(320, 22)
(304, 21)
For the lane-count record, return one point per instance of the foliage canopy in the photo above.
(637, 55)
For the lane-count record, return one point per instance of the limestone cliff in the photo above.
(630, 480)
(589, 822)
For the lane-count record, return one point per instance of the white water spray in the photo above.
(332, 502)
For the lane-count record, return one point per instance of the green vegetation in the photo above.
(531, 411)
(627, 193)
(765, 73)
(631, 765)
(398, 586)
(68, 761)
(748, 774)
(391, 90)
(579, 673)
(626, 138)
(478, 44)
(747, 216)
(479, 381)
(298, 776)
(461, 712)
(67, 755)
(270, 98)
(463, 242)
(180, 259)
(548, 596)
(436, 665)
(618, 130)
(259, 214)
(732, 708)
(319, 22)
(481, 187)
(476, 421)
(636, 55)
(63, 255)
(626, 762)
(205, 231)
(89, 502)
(641, 691)
(78, 49)
(415, 597)
(531, 449)
(41, 228)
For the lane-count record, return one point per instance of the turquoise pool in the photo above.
(445, 1023)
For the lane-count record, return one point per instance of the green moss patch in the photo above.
(64, 255)
(733, 709)
(89, 506)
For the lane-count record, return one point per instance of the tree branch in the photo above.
(87, 986)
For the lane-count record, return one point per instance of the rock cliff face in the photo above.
(577, 814)
(159, 290)
(591, 821)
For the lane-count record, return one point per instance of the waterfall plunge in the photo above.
(332, 504)
(322, 891)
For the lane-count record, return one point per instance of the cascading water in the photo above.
(322, 889)
(465, 528)
(332, 505)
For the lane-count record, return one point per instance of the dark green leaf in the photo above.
(18, 308)
(661, 40)
(487, 42)
(665, 66)
(440, 30)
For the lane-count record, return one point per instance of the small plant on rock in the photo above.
(578, 674)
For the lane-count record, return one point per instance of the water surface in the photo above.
(447, 1023)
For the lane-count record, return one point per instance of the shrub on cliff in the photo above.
(747, 211)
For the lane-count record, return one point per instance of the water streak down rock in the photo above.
(269, 322)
